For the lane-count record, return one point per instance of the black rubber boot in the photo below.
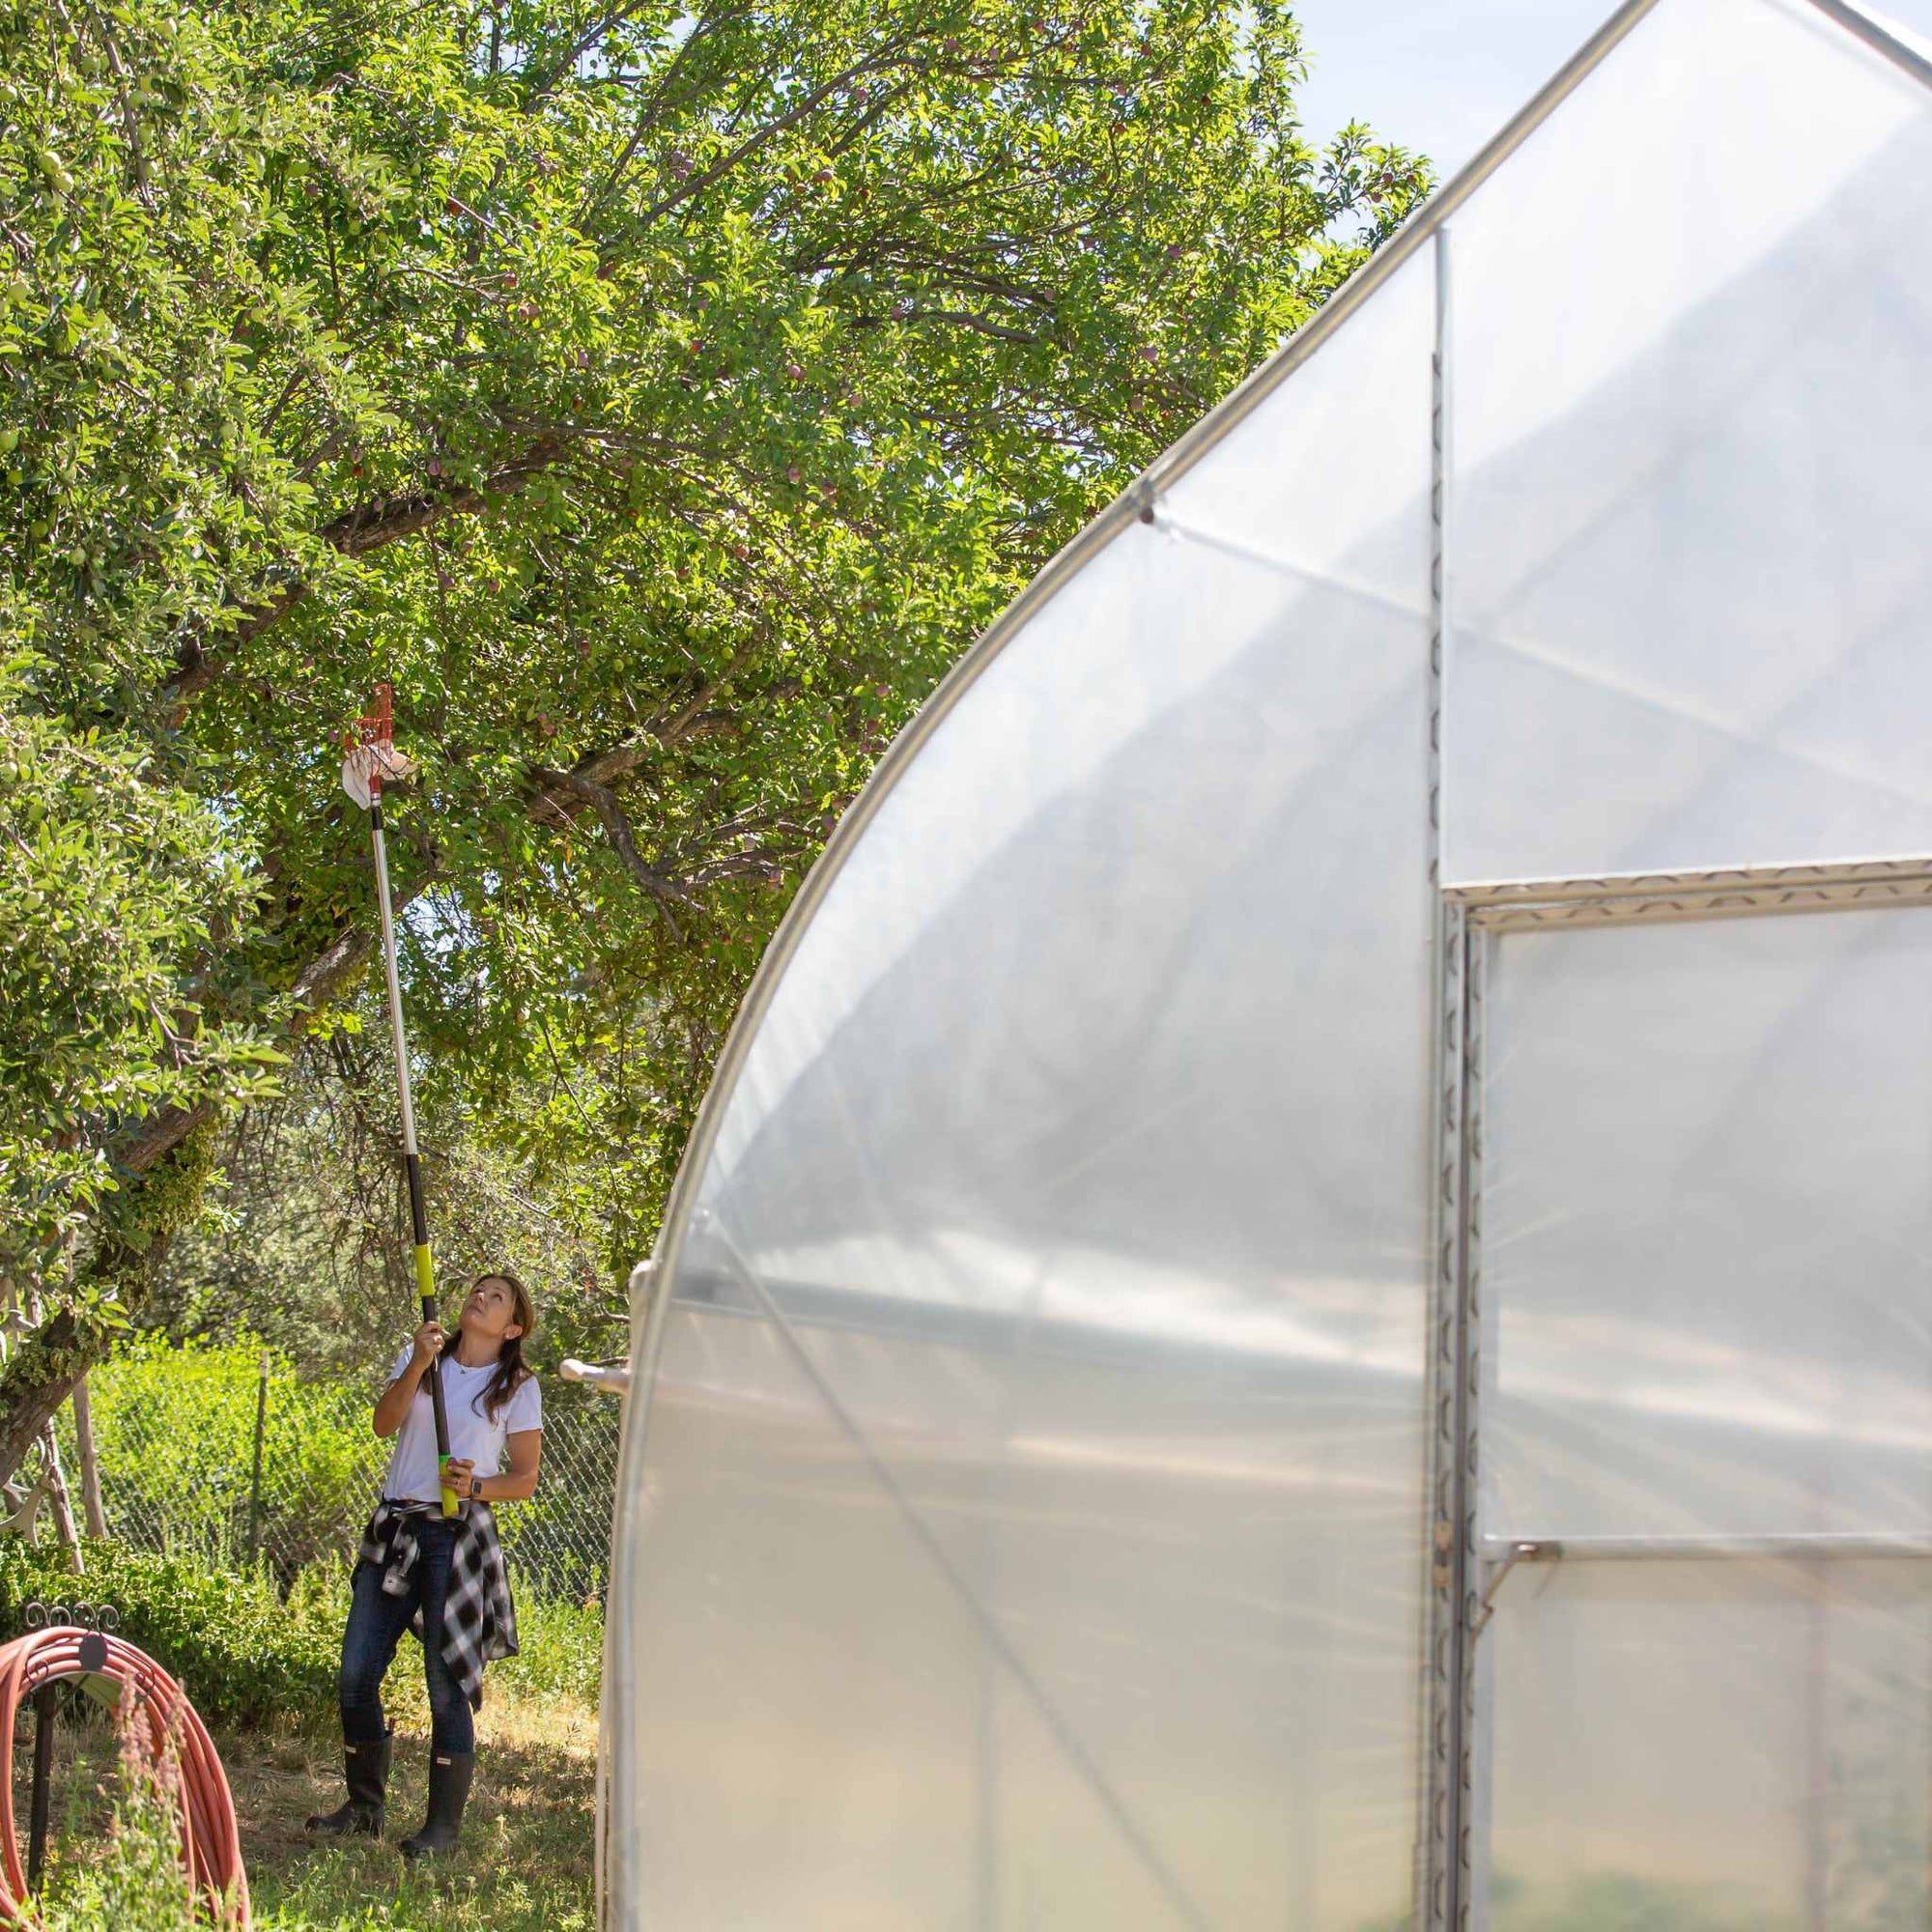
(365, 1768)
(449, 1776)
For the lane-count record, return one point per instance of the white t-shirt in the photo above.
(411, 1476)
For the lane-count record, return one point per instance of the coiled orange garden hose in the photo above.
(210, 1839)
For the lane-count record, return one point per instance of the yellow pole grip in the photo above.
(426, 1288)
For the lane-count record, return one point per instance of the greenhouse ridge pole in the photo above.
(1877, 36)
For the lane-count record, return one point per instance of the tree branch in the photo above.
(325, 974)
(617, 828)
(160, 1133)
(44, 1368)
(885, 58)
(687, 727)
(965, 318)
(368, 526)
(541, 82)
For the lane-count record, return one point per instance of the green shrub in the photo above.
(561, 1652)
(243, 1655)
(1612, 1901)
(248, 1654)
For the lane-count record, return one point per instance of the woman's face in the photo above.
(490, 1313)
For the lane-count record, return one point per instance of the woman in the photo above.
(442, 1577)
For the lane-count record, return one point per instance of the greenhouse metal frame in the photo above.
(1784, 1504)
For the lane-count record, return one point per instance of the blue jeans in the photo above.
(376, 1626)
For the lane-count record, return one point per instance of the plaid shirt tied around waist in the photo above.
(479, 1621)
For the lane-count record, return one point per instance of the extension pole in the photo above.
(418, 1219)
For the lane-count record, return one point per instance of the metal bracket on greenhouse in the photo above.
(613, 1378)
(1495, 1571)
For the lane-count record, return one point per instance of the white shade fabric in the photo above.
(1707, 1233)
(1693, 544)
(1714, 1745)
(1174, 1215)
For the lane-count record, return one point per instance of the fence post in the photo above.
(255, 1482)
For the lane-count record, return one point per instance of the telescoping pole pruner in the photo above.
(372, 758)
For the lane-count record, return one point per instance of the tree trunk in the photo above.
(37, 1380)
(63, 1502)
(90, 1461)
(170, 1155)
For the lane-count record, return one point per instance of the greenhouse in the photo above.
(1305, 1297)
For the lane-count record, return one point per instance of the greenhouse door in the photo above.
(1697, 1216)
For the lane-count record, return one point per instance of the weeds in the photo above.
(524, 1862)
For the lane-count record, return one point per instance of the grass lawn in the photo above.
(524, 1863)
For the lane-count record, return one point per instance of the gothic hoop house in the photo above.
(1305, 1299)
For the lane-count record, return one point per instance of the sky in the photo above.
(1443, 75)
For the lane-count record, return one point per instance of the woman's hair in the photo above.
(511, 1373)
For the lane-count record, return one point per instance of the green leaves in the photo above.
(109, 884)
(660, 396)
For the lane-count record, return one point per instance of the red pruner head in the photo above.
(370, 755)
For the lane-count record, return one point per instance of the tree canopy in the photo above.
(659, 395)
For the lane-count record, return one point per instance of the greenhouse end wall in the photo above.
(1302, 1300)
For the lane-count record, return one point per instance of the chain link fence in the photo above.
(228, 1456)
